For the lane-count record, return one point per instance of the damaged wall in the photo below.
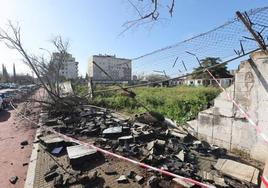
(225, 126)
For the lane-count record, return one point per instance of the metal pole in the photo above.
(249, 28)
(90, 87)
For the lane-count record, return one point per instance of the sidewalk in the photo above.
(14, 159)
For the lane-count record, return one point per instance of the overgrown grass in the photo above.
(181, 103)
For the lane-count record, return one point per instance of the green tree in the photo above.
(86, 77)
(219, 71)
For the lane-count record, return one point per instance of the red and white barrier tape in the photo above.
(142, 165)
(246, 115)
(264, 180)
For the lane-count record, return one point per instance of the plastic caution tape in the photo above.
(142, 165)
(264, 180)
(246, 115)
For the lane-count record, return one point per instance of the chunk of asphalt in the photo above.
(13, 179)
(24, 143)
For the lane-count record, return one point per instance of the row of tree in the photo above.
(19, 79)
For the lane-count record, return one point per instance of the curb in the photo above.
(29, 183)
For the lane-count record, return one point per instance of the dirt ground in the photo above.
(14, 130)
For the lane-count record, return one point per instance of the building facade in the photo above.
(118, 68)
(224, 82)
(68, 65)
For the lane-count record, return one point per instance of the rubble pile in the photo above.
(149, 138)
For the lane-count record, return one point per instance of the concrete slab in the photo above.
(238, 170)
(51, 139)
(79, 151)
(113, 130)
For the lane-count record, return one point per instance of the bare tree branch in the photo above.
(153, 14)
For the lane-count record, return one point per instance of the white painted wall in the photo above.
(224, 125)
(118, 68)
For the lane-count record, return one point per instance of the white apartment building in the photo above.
(69, 67)
(118, 68)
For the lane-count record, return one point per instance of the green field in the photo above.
(181, 103)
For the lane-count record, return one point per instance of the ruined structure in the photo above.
(225, 126)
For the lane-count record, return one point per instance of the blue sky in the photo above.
(93, 26)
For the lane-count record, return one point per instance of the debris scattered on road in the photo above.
(13, 179)
(24, 143)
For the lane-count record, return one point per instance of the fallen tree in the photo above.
(47, 70)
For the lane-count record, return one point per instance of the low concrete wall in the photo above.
(225, 126)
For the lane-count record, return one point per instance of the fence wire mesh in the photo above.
(223, 42)
(227, 42)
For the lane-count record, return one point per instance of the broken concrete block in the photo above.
(52, 141)
(180, 155)
(53, 167)
(110, 171)
(207, 176)
(139, 179)
(58, 181)
(153, 182)
(51, 122)
(124, 139)
(238, 170)
(13, 179)
(50, 175)
(180, 182)
(79, 154)
(131, 174)
(112, 131)
(88, 178)
(219, 181)
(122, 179)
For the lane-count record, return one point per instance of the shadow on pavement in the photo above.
(4, 115)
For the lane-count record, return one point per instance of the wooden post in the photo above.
(249, 28)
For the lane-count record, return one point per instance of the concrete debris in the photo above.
(131, 174)
(58, 181)
(180, 182)
(24, 143)
(139, 179)
(238, 170)
(124, 139)
(13, 179)
(153, 182)
(88, 178)
(180, 155)
(149, 138)
(52, 141)
(214, 178)
(50, 175)
(122, 179)
(110, 171)
(79, 154)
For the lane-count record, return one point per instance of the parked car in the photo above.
(1, 103)
(6, 95)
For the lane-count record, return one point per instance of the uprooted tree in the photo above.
(47, 70)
